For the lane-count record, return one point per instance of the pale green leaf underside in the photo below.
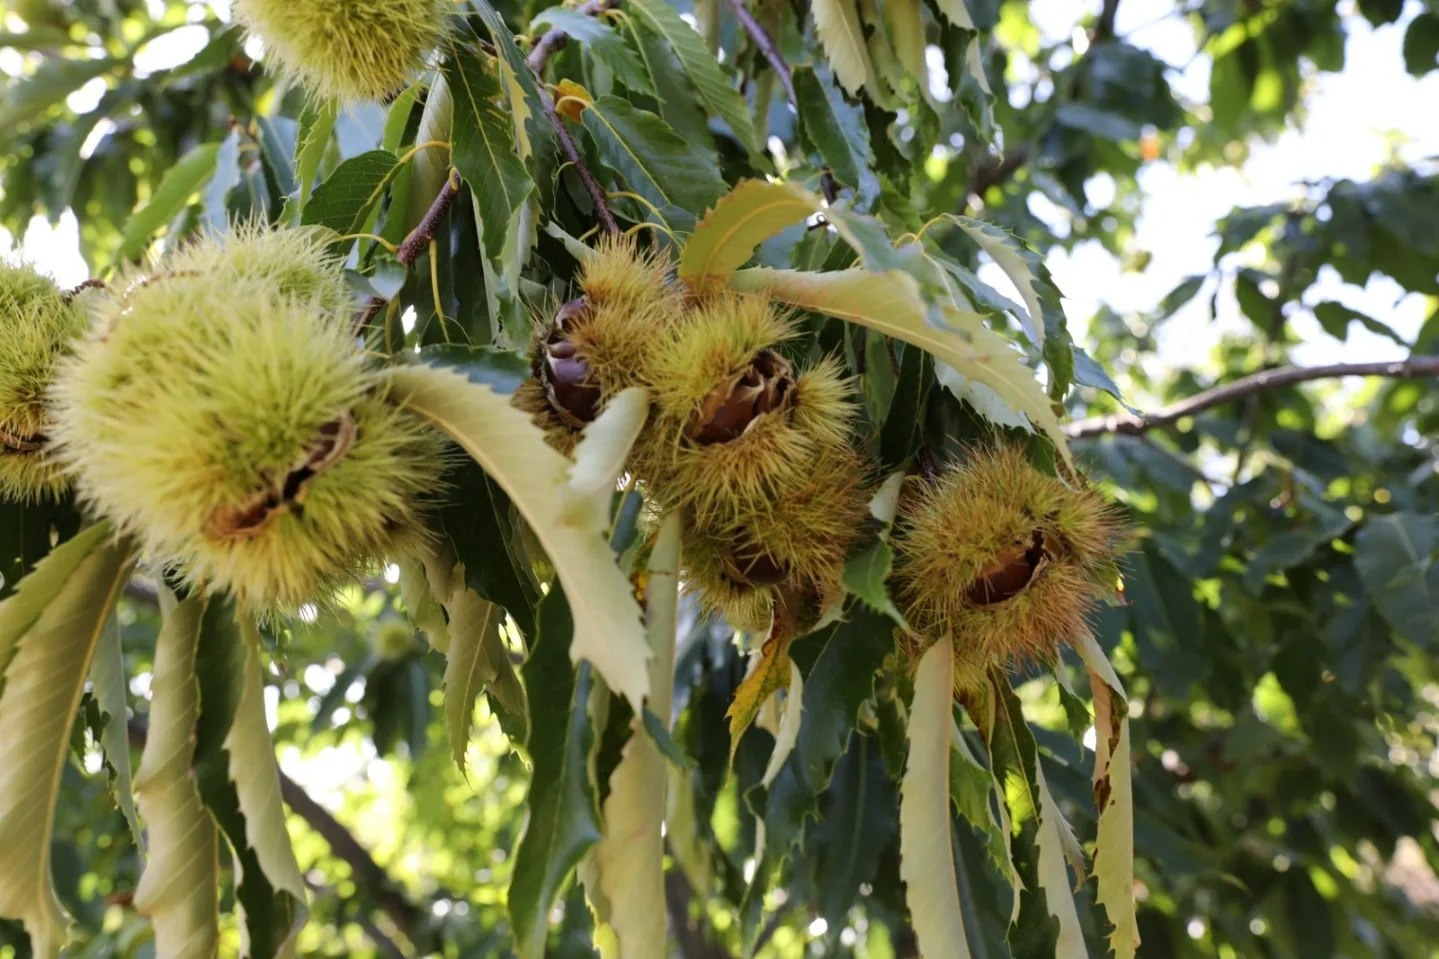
(600, 458)
(926, 850)
(512, 450)
(890, 303)
(179, 889)
(837, 24)
(630, 854)
(52, 625)
(1114, 793)
(473, 633)
(256, 776)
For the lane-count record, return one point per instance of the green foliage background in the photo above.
(1279, 639)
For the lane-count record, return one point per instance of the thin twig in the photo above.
(1412, 368)
(416, 242)
(766, 47)
(545, 48)
(1104, 28)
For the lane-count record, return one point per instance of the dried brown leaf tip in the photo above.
(765, 386)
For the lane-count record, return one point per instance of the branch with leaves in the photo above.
(1128, 423)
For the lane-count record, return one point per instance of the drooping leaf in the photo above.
(700, 66)
(770, 673)
(837, 130)
(513, 452)
(856, 829)
(926, 845)
(837, 24)
(787, 733)
(49, 629)
(891, 304)
(630, 855)
(107, 685)
(223, 663)
(182, 181)
(484, 149)
(651, 158)
(600, 458)
(601, 41)
(344, 201)
(563, 816)
(471, 661)
(179, 888)
(1113, 798)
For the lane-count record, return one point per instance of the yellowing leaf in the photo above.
(571, 99)
(256, 776)
(512, 450)
(48, 632)
(740, 220)
(630, 855)
(179, 889)
(837, 24)
(1114, 797)
(890, 302)
(926, 850)
(600, 458)
(520, 111)
(788, 733)
(771, 671)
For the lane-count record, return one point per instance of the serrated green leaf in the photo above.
(1113, 798)
(107, 685)
(512, 450)
(49, 630)
(256, 775)
(890, 302)
(182, 181)
(864, 576)
(222, 662)
(837, 129)
(700, 65)
(678, 106)
(484, 149)
(501, 370)
(471, 662)
(179, 888)
(837, 24)
(838, 665)
(630, 855)
(345, 199)
(652, 159)
(970, 788)
(317, 126)
(926, 846)
(54, 80)
(1395, 558)
(602, 42)
(856, 829)
(563, 821)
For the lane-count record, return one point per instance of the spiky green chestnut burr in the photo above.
(796, 541)
(1003, 559)
(735, 425)
(242, 436)
(298, 262)
(393, 639)
(356, 50)
(600, 342)
(38, 325)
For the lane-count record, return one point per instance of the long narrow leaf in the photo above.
(179, 889)
(630, 856)
(926, 847)
(49, 628)
(513, 452)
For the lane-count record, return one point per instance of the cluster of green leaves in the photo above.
(1277, 642)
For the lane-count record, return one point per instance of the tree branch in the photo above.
(416, 242)
(1412, 368)
(539, 56)
(997, 172)
(766, 47)
(1104, 28)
